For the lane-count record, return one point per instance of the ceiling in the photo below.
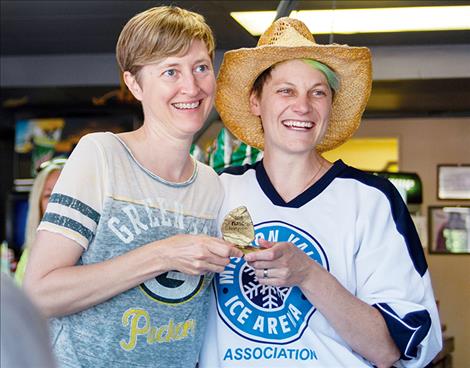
(66, 27)
(92, 26)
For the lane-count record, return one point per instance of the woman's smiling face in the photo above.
(178, 92)
(294, 106)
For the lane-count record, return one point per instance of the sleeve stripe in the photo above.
(406, 332)
(401, 216)
(67, 201)
(398, 320)
(68, 223)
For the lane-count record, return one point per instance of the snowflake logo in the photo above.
(264, 296)
(262, 313)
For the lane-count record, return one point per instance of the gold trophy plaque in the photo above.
(238, 229)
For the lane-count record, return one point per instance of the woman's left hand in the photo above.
(280, 264)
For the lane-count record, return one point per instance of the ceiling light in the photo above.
(409, 19)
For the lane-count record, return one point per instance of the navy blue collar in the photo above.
(308, 194)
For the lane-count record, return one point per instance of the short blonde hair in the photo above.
(158, 33)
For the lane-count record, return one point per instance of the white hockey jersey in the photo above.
(358, 228)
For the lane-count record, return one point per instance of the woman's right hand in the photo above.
(197, 254)
(59, 286)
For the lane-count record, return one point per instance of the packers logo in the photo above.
(262, 313)
(173, 287)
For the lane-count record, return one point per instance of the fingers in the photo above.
(284, 263)
(272, 251)
(266, 273)
(199, 254)
(223, 249)
(201, 262)
(260, 265)
(205, 259)
(272, 282)
(200, 268)
(232, 251)
(235, 252)
(211, 267)
(216, 261)
(261, 255)
(265, 243)
(272, 277)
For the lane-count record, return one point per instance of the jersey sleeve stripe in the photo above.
(401, 216)
(68, 223)
(406, 332)
(75, 204)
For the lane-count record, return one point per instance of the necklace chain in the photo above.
(310, 182)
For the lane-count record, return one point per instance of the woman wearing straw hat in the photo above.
(341, 279)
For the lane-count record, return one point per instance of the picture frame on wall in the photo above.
(453, 182)
(449, 229)
(40, 139)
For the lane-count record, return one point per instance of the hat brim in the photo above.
(241, 67)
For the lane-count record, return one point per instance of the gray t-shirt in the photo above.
(109, 204)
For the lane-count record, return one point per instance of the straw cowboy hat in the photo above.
(288, 39)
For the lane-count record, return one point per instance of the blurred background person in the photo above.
(44, 182)
(24, 338)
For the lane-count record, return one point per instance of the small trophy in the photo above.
(238, 229)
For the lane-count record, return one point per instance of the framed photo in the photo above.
(40, 139)
(449, 229)
(453, 182)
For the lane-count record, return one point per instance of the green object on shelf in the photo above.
(228, 151)
(410, 183)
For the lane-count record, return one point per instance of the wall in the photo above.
(6, 174)
(424, 143)
(389, 63)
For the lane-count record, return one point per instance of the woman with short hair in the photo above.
(125, 252)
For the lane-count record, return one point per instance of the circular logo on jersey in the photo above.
(264, 313)
(173, 287)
